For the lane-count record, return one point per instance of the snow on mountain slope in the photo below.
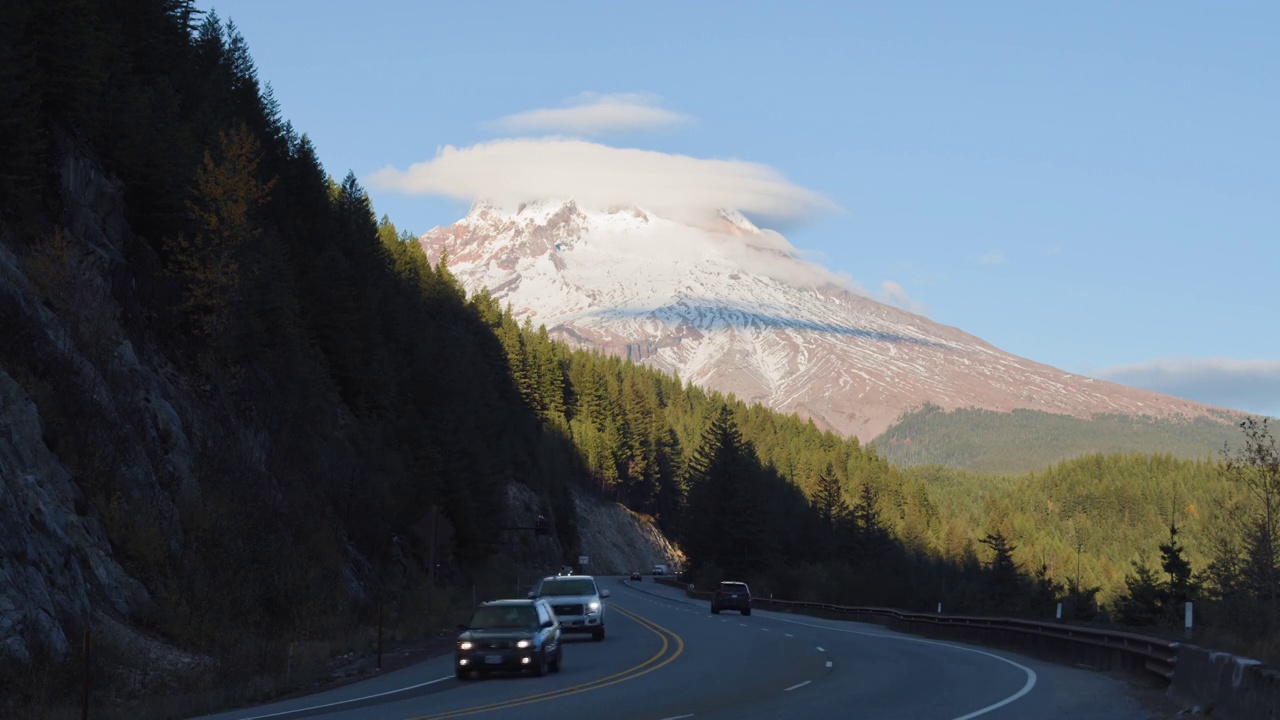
(731, 307)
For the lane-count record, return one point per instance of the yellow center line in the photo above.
(630, 673)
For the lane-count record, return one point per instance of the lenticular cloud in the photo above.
(592, 114)
(514, 171)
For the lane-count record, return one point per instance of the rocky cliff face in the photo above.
(56, 565)
(617, 541)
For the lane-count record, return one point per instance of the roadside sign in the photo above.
(582, 559)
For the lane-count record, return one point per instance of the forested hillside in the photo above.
(1110, 510)
(1024, 441)
(252, 398)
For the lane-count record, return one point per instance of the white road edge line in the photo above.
(348, 702)
(820, 649)
(1026, 688)
(829, 663)
(797, 685)
(679, 717)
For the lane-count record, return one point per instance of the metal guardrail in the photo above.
(1156, 655)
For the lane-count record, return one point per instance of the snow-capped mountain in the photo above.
(731, 307)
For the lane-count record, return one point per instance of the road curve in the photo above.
(667, 657)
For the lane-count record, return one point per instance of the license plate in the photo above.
(493, 659)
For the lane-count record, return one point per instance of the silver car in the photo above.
(577, 601)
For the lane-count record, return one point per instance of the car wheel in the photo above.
(540, 667)
(555, 664)
(598, 635)
(462, 674)
(715, 610)
(747, 611)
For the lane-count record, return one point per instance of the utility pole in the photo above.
(431, 569)
(84, 699)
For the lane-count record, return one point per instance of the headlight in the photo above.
(464, 645)
(593, 606)
(523, 644)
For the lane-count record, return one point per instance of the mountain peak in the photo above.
(549, 210)
(734, 308)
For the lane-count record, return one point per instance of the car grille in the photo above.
(493, 645)
(567, 609)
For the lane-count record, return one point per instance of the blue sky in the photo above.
(1091, 185)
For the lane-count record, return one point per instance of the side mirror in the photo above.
(533, 594)
(605, 593)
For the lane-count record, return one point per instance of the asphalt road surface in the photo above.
(668, 657)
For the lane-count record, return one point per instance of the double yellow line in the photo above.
(672, 646)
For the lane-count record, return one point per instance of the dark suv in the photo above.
(509, 635)
(731, 596)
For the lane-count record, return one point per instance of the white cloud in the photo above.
(991, 259)
(592, 114)
(510, 172)
(1248, 385)
(893, 294)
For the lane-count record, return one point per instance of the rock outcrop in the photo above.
(617, 540)
(56, 565)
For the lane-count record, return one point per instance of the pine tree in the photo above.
(870, 537)
(715, 467)
(828, 498)
(1180, 587)
(1256, 467)
(1145, 599)
(227, 195)
(1004, 581)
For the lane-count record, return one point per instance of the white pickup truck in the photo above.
(659, 569)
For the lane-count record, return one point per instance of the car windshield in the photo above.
(566, 586)
(733, 587)
(511, 616)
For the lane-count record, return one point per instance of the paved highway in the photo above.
(667, 657)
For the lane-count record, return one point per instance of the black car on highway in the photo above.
(509, 635)
(731, 596)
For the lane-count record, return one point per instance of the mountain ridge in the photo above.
(732, 307)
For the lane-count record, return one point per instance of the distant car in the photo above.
(566, 570)
(577, 602)
(731, 596)
(659, 569)
(510, 635)
(637, 576)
